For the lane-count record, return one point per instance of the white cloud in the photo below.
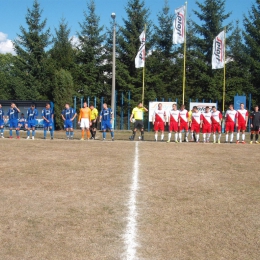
(6, 45)
(75, 41)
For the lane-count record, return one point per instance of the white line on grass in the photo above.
(130, 235)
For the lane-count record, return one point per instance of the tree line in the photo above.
(51, 67)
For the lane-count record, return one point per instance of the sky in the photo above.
(13, 13)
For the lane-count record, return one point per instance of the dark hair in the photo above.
(213, 107)
(231, 105)
(256, 106)
(91, 105)
(32, 105)
(207, 106)
(195, 107)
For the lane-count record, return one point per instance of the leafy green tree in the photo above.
(252, 42)
(31, 64)
(62, 93)
(89, 74)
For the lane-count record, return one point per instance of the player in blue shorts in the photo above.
(12, 114)
(68, 115)
(106, 118)
(22, 122)
(2, 121)
(32, 114)
(47, 115)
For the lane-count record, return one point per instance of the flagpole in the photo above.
(224, 80)
(143, 68)
(184, 57)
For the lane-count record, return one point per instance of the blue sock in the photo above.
(11, 132)
(33, 132)
(2, 130)
(28, 133)
(104, 135)
(67, 133)
(51, 131)
(112, 134)
(72, 134)
(44, 132)
(17, 133)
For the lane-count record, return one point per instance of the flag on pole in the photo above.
(179, 26)
(140, 57)
(218, 52)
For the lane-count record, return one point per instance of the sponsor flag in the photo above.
(179, 26)
(218, 52)
(140, 57)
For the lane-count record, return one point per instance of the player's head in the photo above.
(242, 105)
(91, 106)
(85, 104)
(105, 105)
(22, 115)
(48, 105)
(214, 109)
(32, 106)
(67, 106)
(231, 106)
(182, 107)
(0, 105)
(256, 108)
(140, 104)
(160, 106)
(195, 109)
(174, 106)
(12, 105)
(207, 109)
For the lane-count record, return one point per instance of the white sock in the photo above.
(226, 137)
(162, 136)
(156, 136)
(204, 137)
(243, 137)
(180, 136)
(169, 136)
(208, 137)
(237, 136)
(214, 138)
(231, 137)
(197, 137)
(176, 136)
(186, 134)
(219, 136)
(192, 136)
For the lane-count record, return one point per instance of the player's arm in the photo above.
(246, 119)
(62, 116)
(145, 109)
(131, 117)
(75, 114)
(18, 110)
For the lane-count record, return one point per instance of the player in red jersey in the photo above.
(241, 122)
(173, 121)
(230, 119)
(216, 118)
(206, 124)
(159, 121)
(195, 124)
(183, 123)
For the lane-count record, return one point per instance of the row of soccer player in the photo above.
(209, 122)
(88, 118)
(194, 121)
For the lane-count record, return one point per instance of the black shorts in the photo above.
(139, 124)
(255, 128)
(94, 124)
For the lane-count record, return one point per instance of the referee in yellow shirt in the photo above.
(94, 119)
(137, 114)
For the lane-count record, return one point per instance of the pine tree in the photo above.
(127, 76)
(89, 76)
(31, 64)
(206, 83)
(252, 41)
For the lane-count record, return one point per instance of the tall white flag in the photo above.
(179, 26)
(140, 57)
(218, 52)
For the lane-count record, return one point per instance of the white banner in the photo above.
(202, 106)
(167, 106)
(140, 57)
(218, 51)
(179, 26)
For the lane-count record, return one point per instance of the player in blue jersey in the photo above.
(12, 114)
(47, 115)
(22, 122)
(32, 114)
(106, 118)
(68, 115)
(2, 121)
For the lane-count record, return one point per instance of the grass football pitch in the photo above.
(71, 199)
